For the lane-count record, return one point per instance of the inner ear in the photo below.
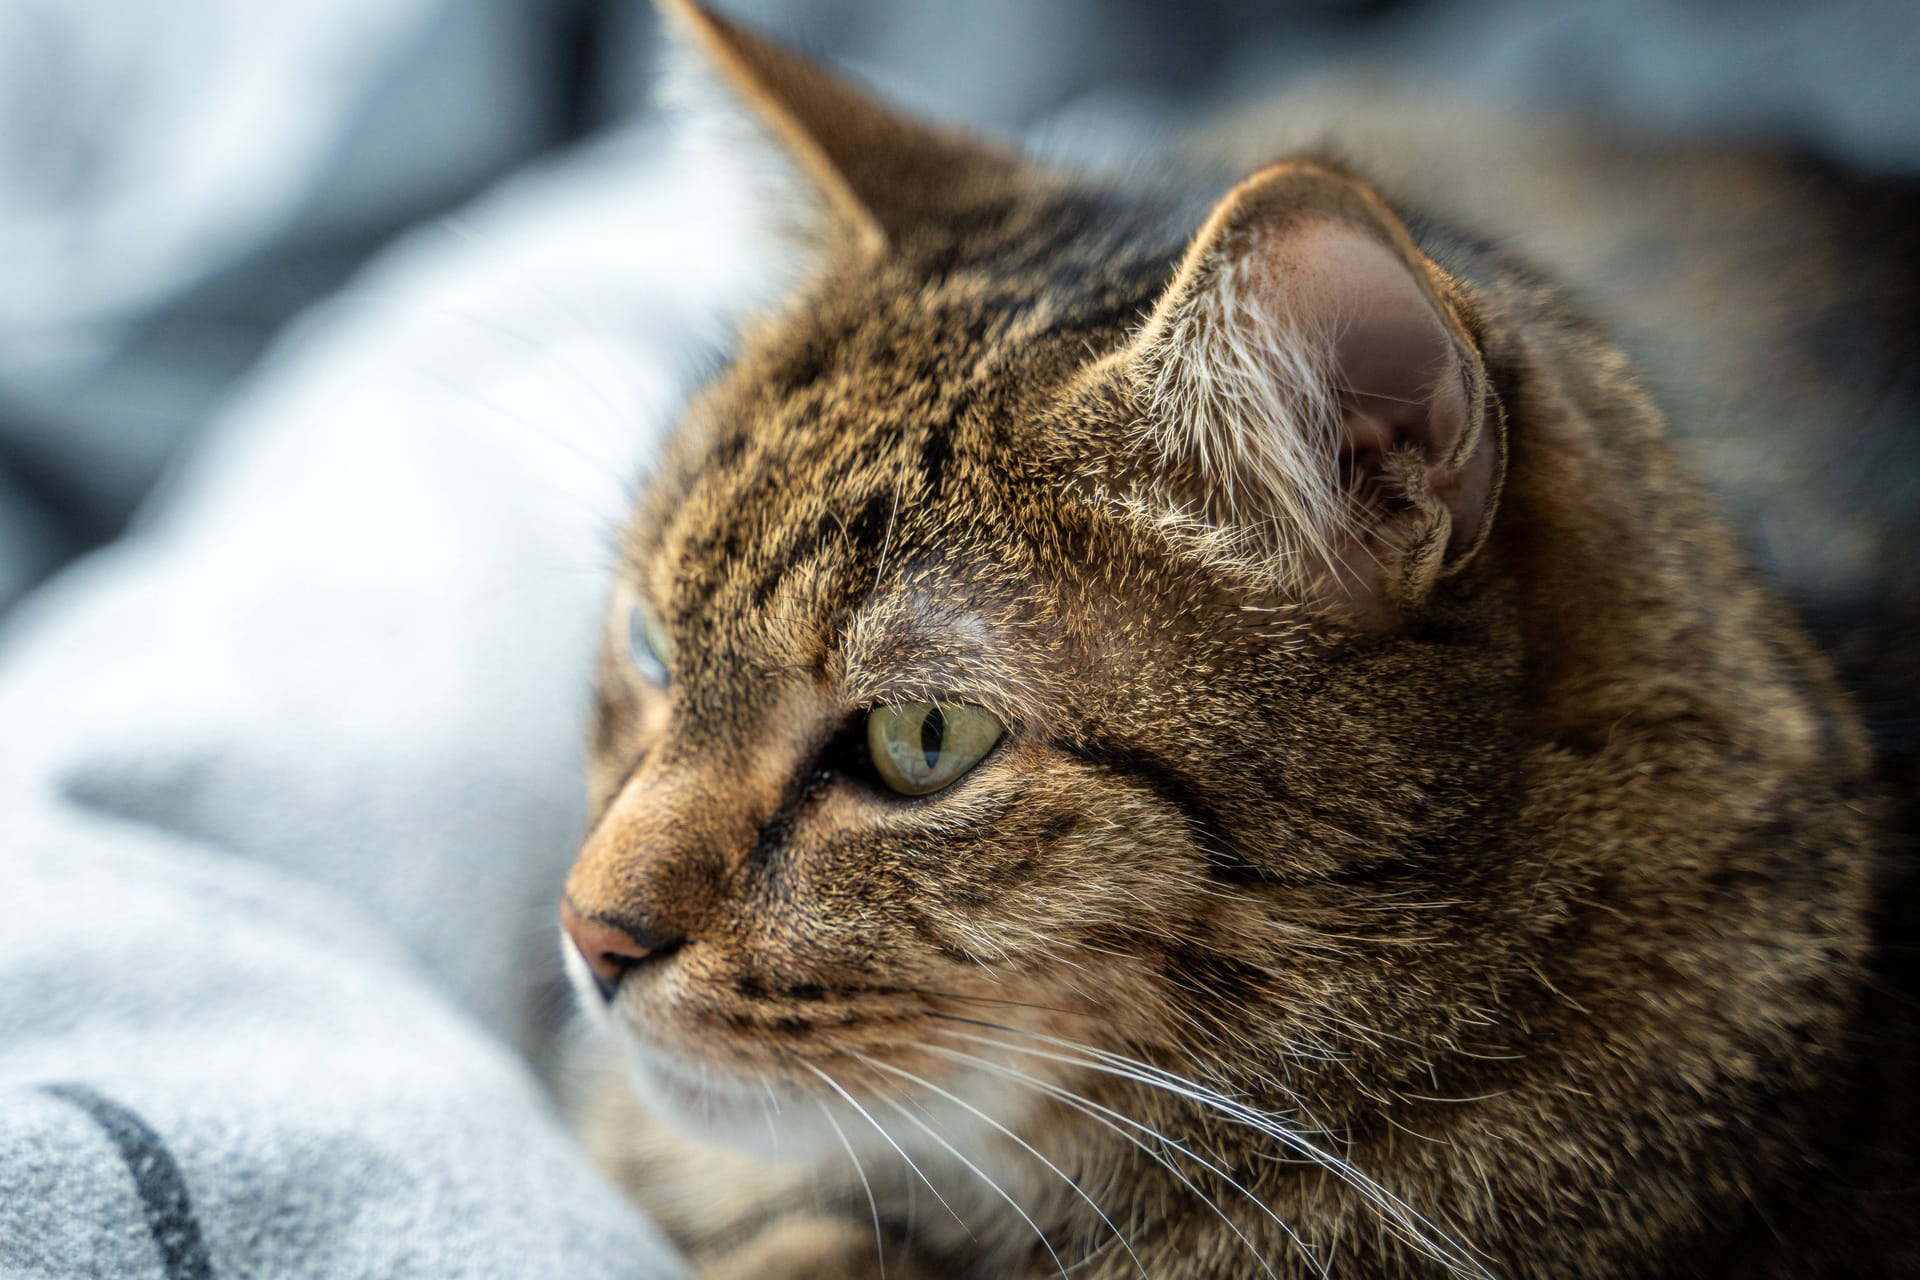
(1307, 365)
(1401, 380)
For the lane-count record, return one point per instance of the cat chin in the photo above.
(720, 1109)
(790, 1123)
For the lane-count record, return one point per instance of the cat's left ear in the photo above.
(1310, 371)
(878, 172)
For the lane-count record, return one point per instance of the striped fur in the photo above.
(1508, 909)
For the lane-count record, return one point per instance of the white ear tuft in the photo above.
(1305, 371)
(1246, 392)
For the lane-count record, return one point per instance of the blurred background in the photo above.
(181, 178)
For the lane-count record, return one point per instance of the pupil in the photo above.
(932, 730)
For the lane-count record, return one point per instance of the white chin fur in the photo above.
(762, 1118)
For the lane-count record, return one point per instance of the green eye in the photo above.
(920, 747)
(647, 645)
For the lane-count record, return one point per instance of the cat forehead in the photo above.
(893, 377)
(989, 280)
(910, 421)
(889, 430)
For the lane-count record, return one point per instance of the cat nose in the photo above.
(611, 951)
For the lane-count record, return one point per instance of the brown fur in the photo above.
(1544, 904)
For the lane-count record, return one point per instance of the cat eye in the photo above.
(920, 747)
(647, 645)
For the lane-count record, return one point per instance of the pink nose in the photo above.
(610, 951)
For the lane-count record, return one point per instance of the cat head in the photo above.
(1038, 629)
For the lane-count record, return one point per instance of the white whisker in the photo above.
(879, 1238)
(881, 1130)
(981, 1174)
(1107, 1116)
(1418, 1229)
(1024, 1144)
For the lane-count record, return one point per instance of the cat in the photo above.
(1162, 725)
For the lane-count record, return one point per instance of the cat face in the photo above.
(878, 509)
(982, 669)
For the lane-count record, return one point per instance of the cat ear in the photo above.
(1309, 372)
(878, 172)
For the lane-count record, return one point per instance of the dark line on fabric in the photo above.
(163, 1192)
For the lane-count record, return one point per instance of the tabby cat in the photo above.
(1146, 731)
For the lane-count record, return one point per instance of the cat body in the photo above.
(1411, 838)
